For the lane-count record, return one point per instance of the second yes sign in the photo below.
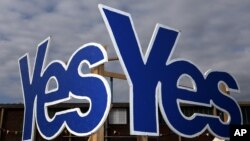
(153, 79)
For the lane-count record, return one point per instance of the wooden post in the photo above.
(224, 89)
(70, 137)
(99, 135)
(1, 122)
(179, 138)
(142, 138)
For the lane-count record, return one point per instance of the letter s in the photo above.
(223, 101)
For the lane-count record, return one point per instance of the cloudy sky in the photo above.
(215, 34)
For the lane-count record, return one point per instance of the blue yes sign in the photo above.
(71, 82)
(153, 79)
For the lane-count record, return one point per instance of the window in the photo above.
(118, 116)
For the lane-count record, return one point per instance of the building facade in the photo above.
(116, 127)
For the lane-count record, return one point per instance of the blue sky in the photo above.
(215, 34)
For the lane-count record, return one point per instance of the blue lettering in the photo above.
(71, 82)
(153, 81)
